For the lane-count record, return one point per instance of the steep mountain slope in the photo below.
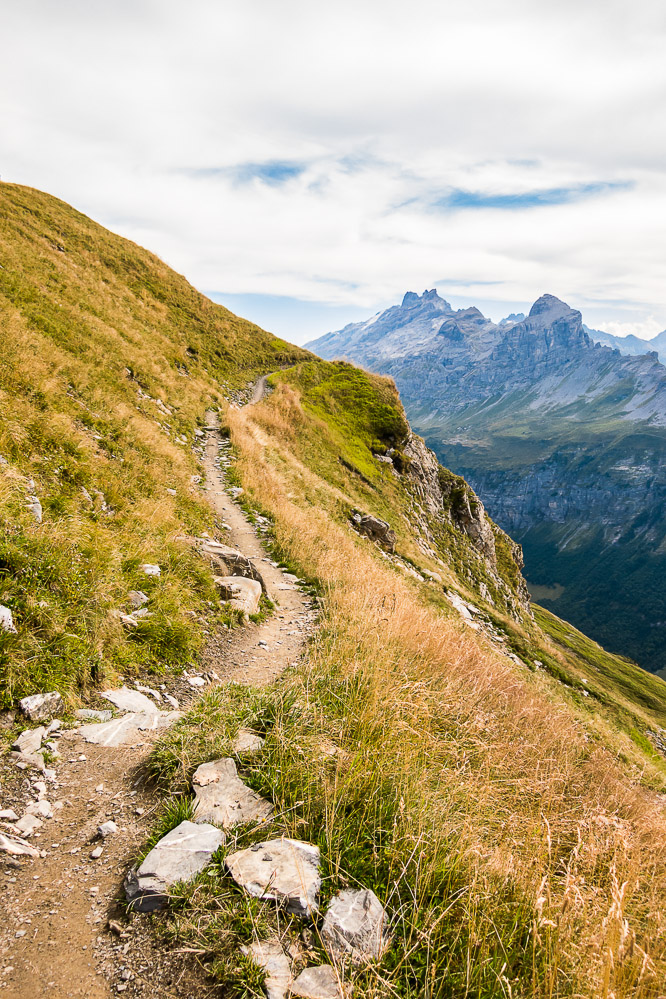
(563, 439)
(108, 361)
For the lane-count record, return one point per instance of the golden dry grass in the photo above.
(483, 754)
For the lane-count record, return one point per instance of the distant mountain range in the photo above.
(631, 344)
(564, 439)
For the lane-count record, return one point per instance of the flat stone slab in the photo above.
(268, 954)
(321, 982)
(126, 699)
(179, 856)
(355, 926)
(280, 870)
(223, 798)
(129, 729)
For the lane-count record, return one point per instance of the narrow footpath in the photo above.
(55, 938)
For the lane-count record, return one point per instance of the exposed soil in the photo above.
(55, 938)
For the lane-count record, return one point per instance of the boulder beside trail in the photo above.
(355, 926)
(377, 530)
(280, 870)
(179, 856)
(42, 707)
(229, 561)
(243, 594)
(223, 798)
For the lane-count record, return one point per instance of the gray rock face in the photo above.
(355, 926)
(243, 594)
(281, 870)
(179, 856)
(321, 982)
(223, 798)
(7, 620)
(42, 707)
(377, 530)
(268, 954)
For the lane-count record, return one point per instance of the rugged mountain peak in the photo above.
(549, 307)
(412, 299)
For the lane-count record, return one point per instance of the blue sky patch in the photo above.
(457, 199)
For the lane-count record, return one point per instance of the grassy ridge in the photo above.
(108, 360)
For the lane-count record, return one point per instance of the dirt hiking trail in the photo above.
(55, 938)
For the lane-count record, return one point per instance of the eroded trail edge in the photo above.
(54, 935)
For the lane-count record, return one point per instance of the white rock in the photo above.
(27, 824)
(42, 809)
(171, 492)
(41, 707)
(149, 690)
(89, 714)
(8, 815)
(196, 681)
(6, 620)
(268, 954)
(322, 982)
(282, 870)
(16, 846)
(35, 508)
(223, 798)
(355, 925)
(108, 828)
(126, 699)
(179, 856)
(30, 740)
(149, 569)
(243, 594)
(97, 853)
(173, 701)
(247, 742)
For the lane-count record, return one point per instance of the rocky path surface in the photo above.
(55, 937)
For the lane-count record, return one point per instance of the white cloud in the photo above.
(127, 111)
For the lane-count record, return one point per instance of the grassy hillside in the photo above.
(108, 360)
(512, 825)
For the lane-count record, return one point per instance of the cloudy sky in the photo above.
(306, 163)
